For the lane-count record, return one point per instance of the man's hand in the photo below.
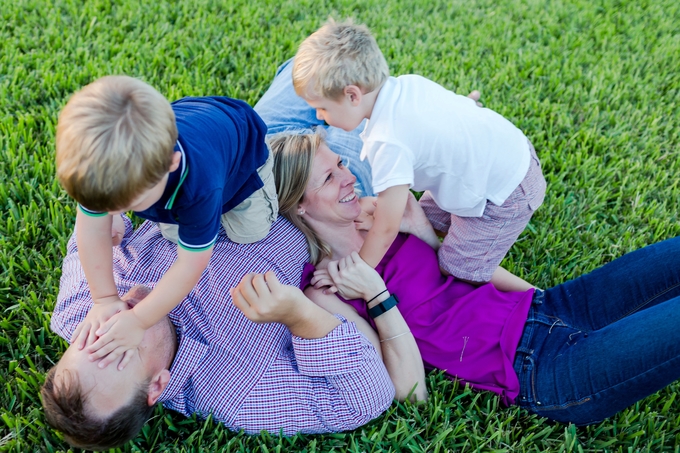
(262, 298)
(101, 311)
(120, 335)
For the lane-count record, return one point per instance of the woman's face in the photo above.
(329, 196)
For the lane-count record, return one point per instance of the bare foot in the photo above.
(475, 96)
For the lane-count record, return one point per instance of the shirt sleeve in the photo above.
(335, 383)
(199, 223)
(391, 165)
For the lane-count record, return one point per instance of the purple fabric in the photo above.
(250, 376)
(470, 332)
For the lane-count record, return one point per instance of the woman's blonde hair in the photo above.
(293, 157)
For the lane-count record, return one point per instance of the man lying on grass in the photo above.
(298, 368)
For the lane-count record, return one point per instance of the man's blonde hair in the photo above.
(293, 158)
(115, 139)
(335, 56)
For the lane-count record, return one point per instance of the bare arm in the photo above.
(355, 279)
(413, 222)
(121, 334)
(93, 237)
(389, 211)
(504, 280)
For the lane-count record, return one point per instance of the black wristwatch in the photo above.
(383, 306)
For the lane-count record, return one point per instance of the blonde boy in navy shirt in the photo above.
(191, 166)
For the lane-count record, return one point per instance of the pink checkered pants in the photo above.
(475, 246)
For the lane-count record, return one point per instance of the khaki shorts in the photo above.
(250, 220)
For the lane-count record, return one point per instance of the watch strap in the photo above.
(383, 306)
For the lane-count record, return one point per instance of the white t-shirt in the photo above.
(430, 138)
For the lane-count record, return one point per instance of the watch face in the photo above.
(383, 306)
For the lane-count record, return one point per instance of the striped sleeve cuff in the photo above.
(197, 248)
(337, 353)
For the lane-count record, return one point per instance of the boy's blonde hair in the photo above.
(115, 139)
(335, 56)
(293, 158)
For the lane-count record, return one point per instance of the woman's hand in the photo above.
(355, 279)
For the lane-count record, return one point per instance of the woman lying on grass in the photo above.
(578, 352)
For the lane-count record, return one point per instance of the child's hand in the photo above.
(365, 220)
(354, 279)
(117, 230)
(85, 333)
(120, 335)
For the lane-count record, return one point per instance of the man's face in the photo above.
(109, 389)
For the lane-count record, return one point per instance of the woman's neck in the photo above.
(343, 240)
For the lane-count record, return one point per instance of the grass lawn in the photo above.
(594, 84)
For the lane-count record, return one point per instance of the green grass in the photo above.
(594, 84)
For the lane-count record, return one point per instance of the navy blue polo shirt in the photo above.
(222, 145)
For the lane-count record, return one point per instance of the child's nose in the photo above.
(319, 116)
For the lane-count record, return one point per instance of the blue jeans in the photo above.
(284, 111)
(597, 344)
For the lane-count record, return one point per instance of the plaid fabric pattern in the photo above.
(249, 376)
(475, 246)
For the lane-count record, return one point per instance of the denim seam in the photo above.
(593, 395)
(646, 302)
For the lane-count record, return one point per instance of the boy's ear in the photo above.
(354, 94)
(176, 160)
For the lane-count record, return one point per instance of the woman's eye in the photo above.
(328, 178)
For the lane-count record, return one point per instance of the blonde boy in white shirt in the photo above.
(481, 177)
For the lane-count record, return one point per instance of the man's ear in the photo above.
(176, 160)
(354, 94)
(156, 386)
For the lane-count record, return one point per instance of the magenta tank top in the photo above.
(470, 332)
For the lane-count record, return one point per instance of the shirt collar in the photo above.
(190, 355)
(176, 179)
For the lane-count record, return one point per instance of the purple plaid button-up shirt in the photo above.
(249, 376)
